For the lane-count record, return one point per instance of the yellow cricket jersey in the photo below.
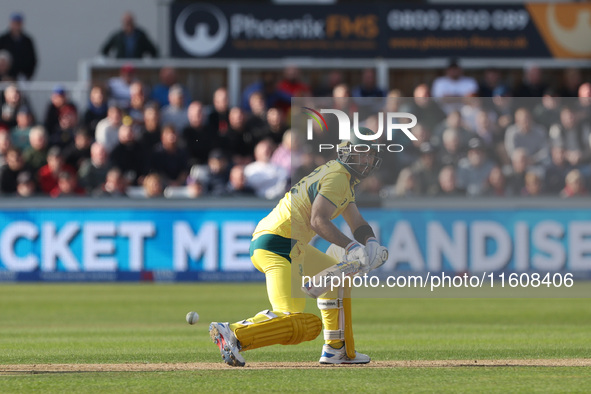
(290, 219)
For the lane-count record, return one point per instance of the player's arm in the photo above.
(364, 234)
(320, 221)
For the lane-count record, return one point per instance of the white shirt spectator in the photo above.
(107, 134)
(265, 178)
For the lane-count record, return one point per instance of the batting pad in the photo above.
(284, 330)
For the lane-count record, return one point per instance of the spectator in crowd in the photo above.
(131, 42)
(9, 173)
(67, 186)
(452, 121)
(128, 156)
(268, 180)
(292, 84)
(532, 85)
(492, 80)
(137, 102)
(425, 108)
(406, 185)
(5, 144)
(48, 174)
(332, 79)
(555, 172)
(368, 86)
(19, 134)
(276, 124)
(575, 185)
(115, 185)
(547, 112)
(452, 149)
(107, 130)
(176, 112)
(25, 186)
(96, 110)
(515, 174)
(119, 86)
(426, 171)
(527, 135)
(13, 101)
(447, 186)
(453, 85)
(257, 120)
(92, 172)
(58, 100)
(5, 66)
(240, 139)
(288, 154)
(63, 135)
(167, 77)
(79, 150)
(219, 172)
(497, 183)
(153, 187)
(584, 103)
(237, 183)
(487, 130)
(197, 136)
(533, 185)
(573, 136)
(21, 48)
(571, 81)
(218, 118)
(150, 133)
(504, 105)
(473, 106)
(35, 155)
(474, 170)
(170, 160)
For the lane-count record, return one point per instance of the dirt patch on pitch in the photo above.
(167, 367)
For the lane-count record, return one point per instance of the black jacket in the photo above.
(117, 42)
(24, 58)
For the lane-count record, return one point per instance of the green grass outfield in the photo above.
(145, 324)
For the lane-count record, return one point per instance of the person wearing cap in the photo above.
(21, 47)
(131, 42)
(473, 171)
(58, 100)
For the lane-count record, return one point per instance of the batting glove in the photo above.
(376, 254)
(355, 251)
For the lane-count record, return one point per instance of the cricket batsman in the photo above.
(280, 249)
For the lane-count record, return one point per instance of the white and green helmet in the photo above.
(360, 158)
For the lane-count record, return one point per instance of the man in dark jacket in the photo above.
(20, 46)
(130, 42)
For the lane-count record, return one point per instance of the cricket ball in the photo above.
(192, 317)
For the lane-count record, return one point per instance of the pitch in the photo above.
(99, 338)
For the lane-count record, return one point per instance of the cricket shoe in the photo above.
(222, 335)
(331, 355)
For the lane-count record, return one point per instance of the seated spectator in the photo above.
(584, 103)
(115, 185)
(492, 136)
(119, 93)
(474, 170)
(12, 102)
(276, 124)
(197, 137)
(218, 119)
(58, 100)
(516, 173)
(96, 110)
(150, 132)
(128, 156)
(267, 85)
(67, 186)
(406, 185)
(237, 183)
(257, 120)
(63, 135)
(504, 106)
(575, 185)
(240, 140)
(153, 187)
(9, 173)
(292, 84)
(219, 172)
(48, 174)
(176, 112)
(571, 81)
(556, 171)
(452, 86)
(35, 155)
(426, 171)
(424, 107)
(547, 112)
(367, 90)
(447, 186)
(452, 150)
(533, 185)
(79, 150)
(532, 83)
(268, 180)
(527, 135)
(107, 130)
(131, 42)
(497, 183)
(288, 154)
(21, 47)
(452, 121)
(168, 78)
(5, 144)
(573, 136)
(93, 172)
(169, 160)
(491, 81)
(137, 102)
(26, 186)
(20, 132)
